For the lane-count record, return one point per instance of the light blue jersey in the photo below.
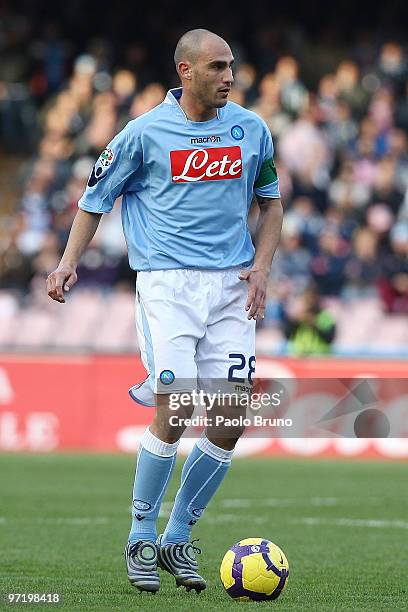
(187, 186)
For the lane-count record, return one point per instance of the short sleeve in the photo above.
(267, 182)
(112, 172)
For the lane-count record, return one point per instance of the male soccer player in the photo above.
(187, 171)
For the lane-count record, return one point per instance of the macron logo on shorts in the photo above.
(214, 164)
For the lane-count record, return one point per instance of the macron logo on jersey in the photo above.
(214, 164)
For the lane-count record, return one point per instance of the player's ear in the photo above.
(184, 70)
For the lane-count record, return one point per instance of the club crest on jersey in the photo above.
(237, 132)
(214, 164)
(99, 170)
(166, 377)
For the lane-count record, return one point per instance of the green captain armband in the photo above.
(267, 174)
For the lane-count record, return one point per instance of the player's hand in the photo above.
(62, 279)
(257, 281)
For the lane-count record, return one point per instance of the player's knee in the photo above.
(235, 437)
(170, 423)
(170, 437)
(164, 432)
(228, 440)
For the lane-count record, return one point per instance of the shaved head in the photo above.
(204, 64)
(191, 43)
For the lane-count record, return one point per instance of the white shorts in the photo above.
(193, 330)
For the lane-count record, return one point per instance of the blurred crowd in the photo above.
(341, 149)
(342, 155)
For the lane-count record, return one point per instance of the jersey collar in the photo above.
(173, 96)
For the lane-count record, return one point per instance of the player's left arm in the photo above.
(266, 240)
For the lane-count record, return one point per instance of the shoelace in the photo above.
(195, 548)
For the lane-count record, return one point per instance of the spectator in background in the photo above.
(349, 88)
(16, 269)
(384, 189)
(292, 260)
(362, 269)
(101, 127)
(48, 255)
(393, 284)
(124, 86)
(365, 152)
(304, 150)
(327, 98)
(392, 66)
(294, 95)
(269, 105)
(379, 219)
(328, 265)
(398, 152)
(245, 82)
(341, 128)
(303, 215)
(303, 145)
(149, 97)
(346, 193)
(309, 329)
(401, 112)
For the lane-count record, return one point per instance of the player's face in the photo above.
(212, 75)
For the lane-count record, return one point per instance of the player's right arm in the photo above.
(82, 231)
(111, 177)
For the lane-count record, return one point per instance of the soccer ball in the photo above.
(254, 569)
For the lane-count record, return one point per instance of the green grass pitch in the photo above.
(343, 525)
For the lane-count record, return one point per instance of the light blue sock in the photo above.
(201, 476)
(155, 463)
